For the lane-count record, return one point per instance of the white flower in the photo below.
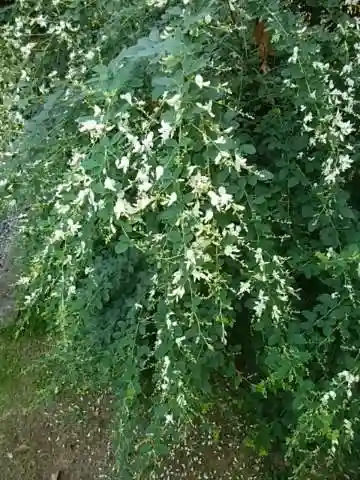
(109, 184)
(90, 55)
(169, 419)
(172, 199)
(148, 141)
(142, 202)
(174, 101)
(165, 130)
(190, 257)
(26, 49)
(76, 158)
(159, 171)
(346, 68)
(63, 209)
(200, 81)
(231, 251)
(209, 214)
(127, 97)
(40, 20)
(207, 107)
(178, 292)
(308, 117)
(244, 287)
(259, 258)
(345, 128)
(294, 56)
(123, 163)
(260, 303)
(157, 3)
(122, 207)
(72, 226)
(220, 199)
(349, 377)
(24, 281)
(165, 379)
(326, 397)
(199, 183)
(348, 428)
(275, 313)
(225, 197)
(177, 277)
(345, 162)
(142, 178)
(179, 341)
(91, 126)
(240, 162)
(97, 111)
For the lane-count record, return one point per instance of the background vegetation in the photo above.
(190, 220)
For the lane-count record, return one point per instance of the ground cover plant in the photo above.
(187, 174)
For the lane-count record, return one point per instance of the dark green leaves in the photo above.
(247, 149)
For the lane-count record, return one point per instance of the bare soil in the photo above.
(68, 439)
(48, 442)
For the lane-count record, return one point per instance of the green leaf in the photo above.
(313, 225)
(346, 212)
(123, 244)
(329, 237)
(247, 149)
(293, 181)
(175, 237)
(298, 339)
(252, 180)
(307, 211)
(284, 172)
(265, 175)
(259, 200)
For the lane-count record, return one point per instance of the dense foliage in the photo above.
(192, 221)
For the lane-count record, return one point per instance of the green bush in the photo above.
(188, 216)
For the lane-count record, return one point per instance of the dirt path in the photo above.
(56, 442)
(64, 440)
(70, 438)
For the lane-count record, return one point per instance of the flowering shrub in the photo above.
(189, 217)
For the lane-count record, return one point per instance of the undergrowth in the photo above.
(190, 220)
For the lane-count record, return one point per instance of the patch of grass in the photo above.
(20, 371)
